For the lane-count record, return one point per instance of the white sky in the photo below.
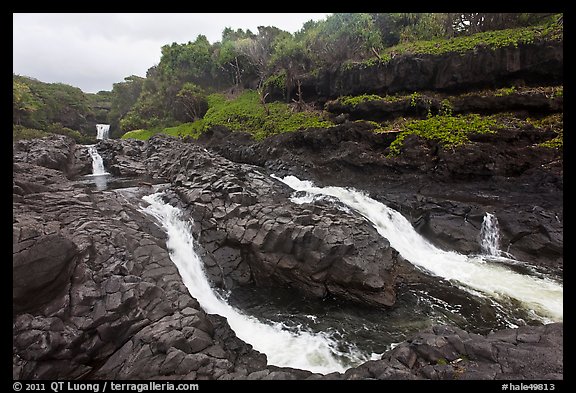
(93, 51)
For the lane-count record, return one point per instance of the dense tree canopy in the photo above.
(245, 59)
(39, 105)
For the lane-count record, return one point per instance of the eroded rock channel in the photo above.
(97, 295)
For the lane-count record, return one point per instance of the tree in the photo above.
(388, 26)
(124, 96)
(258, 50)
(422, 26)
(191, 62)
(465, 23)
(193, 99)
(341, 37)
(290, 56)
(23, 102)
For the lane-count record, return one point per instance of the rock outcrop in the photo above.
(445, 193)
(448, 353)
(252, 234)
(537, 63)
(96, 295)
(421, 105)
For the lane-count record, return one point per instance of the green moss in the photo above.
(187, 129)
(442, 362)
(505, 91)
(244, 113)
(355, 100)
(414, 97)
(555, 143)
(20, 132)
(491, 40)
(552, 123)
(139, 134)
(557, 92)
(551, 31)
(449, 131)
(361, 65)
(446, 107)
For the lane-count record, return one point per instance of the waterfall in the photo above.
(102, 131)
(99, 174)
(97, 163)
(490, 235)
(302, 349)
(541, 295)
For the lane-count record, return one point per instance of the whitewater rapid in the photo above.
(97, 162)
(301, 349)
(543, 296)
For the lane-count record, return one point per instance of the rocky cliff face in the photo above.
(538, 63)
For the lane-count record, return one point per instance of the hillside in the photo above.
(41, 108)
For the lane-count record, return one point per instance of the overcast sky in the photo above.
(93, 51)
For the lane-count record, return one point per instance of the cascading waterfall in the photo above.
(541, 295)
(102, 131)
(99, 174)
(97, 163)
(301, 349)
(490, 236)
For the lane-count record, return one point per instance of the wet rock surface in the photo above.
(97, 296)
(445, 193)
(252, 234)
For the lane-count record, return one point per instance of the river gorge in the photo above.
(279, 259)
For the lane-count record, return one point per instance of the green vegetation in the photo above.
(56, 108)
(555, 143)
(123, 97)
(449, 131)
(505, 91)
(355, 100)
(553, 123)
(244, 113)
(442, 362)
(274, 61)
(454, 131)
(277, 82)
(489, 39)
(140, 134)
(179, 96)
(446, 107)
(22, 132)
(557, 92)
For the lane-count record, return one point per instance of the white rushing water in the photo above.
(97, 163)
(302, 349)
(541, 295)
(102, 131)
(490, 235)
